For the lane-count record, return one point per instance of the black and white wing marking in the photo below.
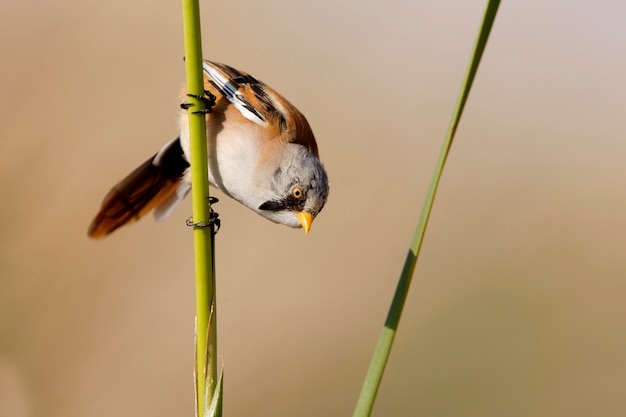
(230, 87)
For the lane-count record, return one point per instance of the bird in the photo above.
(261, 152)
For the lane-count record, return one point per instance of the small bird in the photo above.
(261, 150)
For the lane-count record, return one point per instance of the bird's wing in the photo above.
(232, 85)
(261, 104)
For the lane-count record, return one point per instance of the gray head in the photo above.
(299, 189)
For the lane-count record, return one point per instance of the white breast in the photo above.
(233, 153)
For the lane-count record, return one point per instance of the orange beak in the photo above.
(306, 219)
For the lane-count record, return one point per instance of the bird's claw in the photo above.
(207, 98)
(214, 220)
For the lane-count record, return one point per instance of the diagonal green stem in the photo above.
(206, 348)
(375, 372)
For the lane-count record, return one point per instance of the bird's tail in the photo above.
(155, 183)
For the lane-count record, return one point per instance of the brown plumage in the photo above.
(284, 121)
(261, 151)
(149, 185)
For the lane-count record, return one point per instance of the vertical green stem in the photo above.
(206, 367)
(375, 372)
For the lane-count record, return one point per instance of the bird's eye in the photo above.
(297, 192)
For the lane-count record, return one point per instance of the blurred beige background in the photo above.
(517, 307)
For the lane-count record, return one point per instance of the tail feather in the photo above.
(145, 188)
(167, 207)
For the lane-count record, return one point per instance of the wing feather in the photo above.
(261, 104)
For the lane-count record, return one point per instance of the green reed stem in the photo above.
(206, 347)
(375, 372)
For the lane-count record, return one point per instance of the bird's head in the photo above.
(298, 190)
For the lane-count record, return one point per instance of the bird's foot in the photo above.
(214, 216)
(214, 220)
(208, 99)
